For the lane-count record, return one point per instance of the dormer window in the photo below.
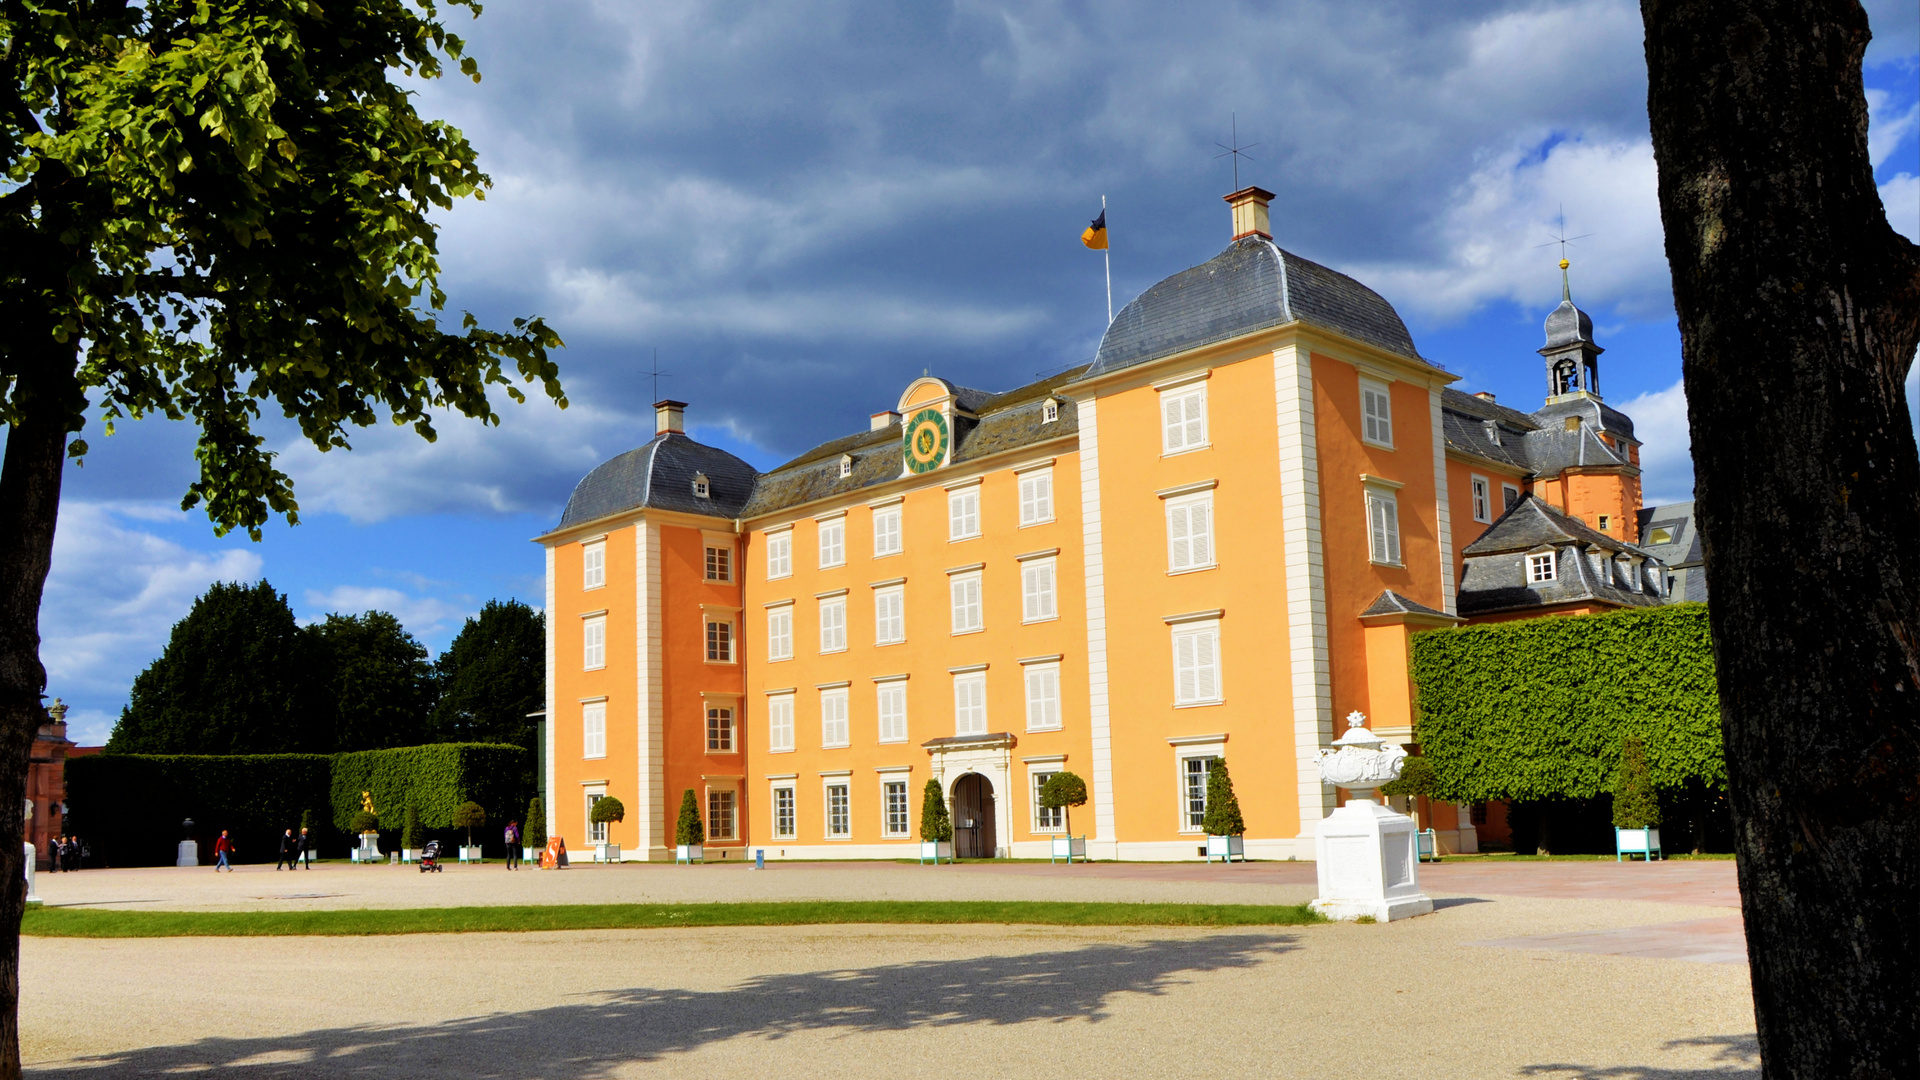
(701, 489)
(1540, 568)
(846, 465)
(1493, 431)
(1050, 411)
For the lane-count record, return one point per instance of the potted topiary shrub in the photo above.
(604, 811)
(1636, 805)
(533, 835)
(936, 828)
(367, 824)
(410, 836)
(689, 833)
(469, 815)
(1064, 791)
(1225, 827)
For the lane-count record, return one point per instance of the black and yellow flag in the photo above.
(1096, 235)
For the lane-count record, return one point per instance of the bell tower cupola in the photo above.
(1573, 360)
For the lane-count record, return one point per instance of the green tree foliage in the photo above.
(688, 830)
(469, 816)
(1062, 791)
(1536, 709)
(1416, 778)
(491, 676)
(379, 686)
(410, 833)
(1636, 805)
(1223, 806)
(534, 833)
(435, 779)
(129, 807)
(365, 821)
(612, 809)
(935, 824)
(237, 677)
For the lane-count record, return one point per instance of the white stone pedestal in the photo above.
(189, 854)
(1367, 865)
(32, 855)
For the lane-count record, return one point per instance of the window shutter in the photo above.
(1206, 667)
(1200, 532)
(1376, 525)
(955, 517)
(1030, 592)
(1172, 416)
(1185, 686)
(1390, 516)
(1179, 547)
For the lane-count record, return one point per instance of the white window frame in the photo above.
(725, 562)
(835, 729)
(1036, 497)
(596, 830)
(593, 565)
(593, 643)
(779, 723)
(1209, 754)
(1194, 635)
(963, 513)
(1383, 527)
(1049, 411)
(888, 534)
(729, 638)
(1045, 820)
(888, 783)
(890, 704)
(732, 800)
(970, 703)
(780, 554)
(780, 632)
(1376, 413)
(833, 624)
(1542, 567)
(967, 602)
(792, 823)
(1187, 549)
(1482, 499)
(832, 536)
(844, 784)
(1042, 683)
(730, 735)
(1039, 590)
(593, 730)
(1187, 432)
(890, 615)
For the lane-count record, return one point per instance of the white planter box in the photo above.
(408, 854)
(1069, 848)
(936, 850)
(688, 853)
(530, 854)
(1226, 848)
(368, 850)
(1636, 842)
(470, 854)
(606, 852)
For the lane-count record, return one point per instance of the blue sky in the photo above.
(801, 206)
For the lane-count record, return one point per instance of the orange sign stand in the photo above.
(555, 856)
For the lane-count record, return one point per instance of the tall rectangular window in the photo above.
(720, 641)
(593, 730)
(886, 531)
(719, 563)
(719, 729)
(1509, 495)
(1043, 697)
(1376, 408)
(833, 718)
(1036, 591)
(891, 697)
(780, 632)
(833, 624)
(890, 615)
(593, 565)
(833, 543)
(1196, 663)
(1482, 500)
(784, 818)
(719, 815)
(965, 593)
(1383, 527)
(593, 637)
(839, 812)
(780, 723)
(1190, 532)
(1046, 818)
(970, 704)
(963, 513)
(896, 823)
(1036, 496)
(596, 830)
(779, 554)
(1183, 419)
(1193, 784)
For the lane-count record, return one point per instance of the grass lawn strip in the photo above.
(95, 923)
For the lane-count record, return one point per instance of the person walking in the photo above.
(303, 850)
(222, 848)
(286, 851)
(513, 845)
(54, 847)
(71, 854)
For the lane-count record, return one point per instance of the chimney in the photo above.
(882, 420)
(1250, 212)
(1485, 395)
(670, 415)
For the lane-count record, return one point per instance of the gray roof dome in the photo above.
(660, 476)
(1250, 286)
(1568, 325)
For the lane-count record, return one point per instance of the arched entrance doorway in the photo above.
(974, 830)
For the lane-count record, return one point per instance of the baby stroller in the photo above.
(430, 857)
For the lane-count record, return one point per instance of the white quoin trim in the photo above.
(1308, 654)
(1443, 507)
(1100, 720)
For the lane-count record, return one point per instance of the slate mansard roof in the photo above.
(1250, 286)
(1496, 577)
(1537, 443)
(659, 476)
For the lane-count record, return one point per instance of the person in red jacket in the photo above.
(222, 848)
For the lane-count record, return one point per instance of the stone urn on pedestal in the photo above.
(1367, 866)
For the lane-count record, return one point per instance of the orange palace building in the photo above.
(1208, 543)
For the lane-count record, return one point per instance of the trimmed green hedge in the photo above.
(1537, 709)
(435, 779)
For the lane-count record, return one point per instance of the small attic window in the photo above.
(1493, 431)
(846, 465)
(701, 489)
(1660, 536)
(1050, 411)
(1540, 568)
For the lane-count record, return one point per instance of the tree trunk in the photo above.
(1799, 311)
(29, 505)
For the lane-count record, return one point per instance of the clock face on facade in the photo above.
(926, 440)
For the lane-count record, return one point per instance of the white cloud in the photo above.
(1885, 133)
(1901, 198)
(1666, 453)
(421, 615)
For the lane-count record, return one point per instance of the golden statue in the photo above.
(366, 801)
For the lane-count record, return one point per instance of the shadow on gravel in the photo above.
(593, 1037)
(1457, 901)
(1737, 1058)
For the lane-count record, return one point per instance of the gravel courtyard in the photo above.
(1573, 970)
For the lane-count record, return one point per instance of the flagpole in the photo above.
(1107, 253)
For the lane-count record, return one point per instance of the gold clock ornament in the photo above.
(925, 444)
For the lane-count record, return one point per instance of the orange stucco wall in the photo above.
(619, 770)
(688, 677)
(1466, 530)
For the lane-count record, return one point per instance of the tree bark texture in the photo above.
(1799, 312)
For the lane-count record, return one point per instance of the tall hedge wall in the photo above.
(1536, 709)
(435, 779)
(129, 807)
